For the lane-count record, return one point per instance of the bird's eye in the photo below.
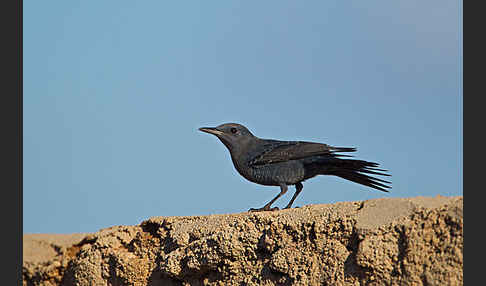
(233, 130)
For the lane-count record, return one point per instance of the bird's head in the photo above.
(233, 135)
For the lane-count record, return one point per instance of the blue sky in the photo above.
(114, 92)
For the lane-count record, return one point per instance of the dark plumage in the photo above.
(282, 163)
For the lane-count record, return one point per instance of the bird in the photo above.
(272, 162)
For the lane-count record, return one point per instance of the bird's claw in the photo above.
(263, 209)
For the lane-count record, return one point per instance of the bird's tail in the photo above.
(357, 170)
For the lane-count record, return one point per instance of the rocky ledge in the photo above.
(391, 241)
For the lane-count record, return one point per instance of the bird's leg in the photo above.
(298, 189)
(283, 190)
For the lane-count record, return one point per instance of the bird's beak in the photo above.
(211, 130)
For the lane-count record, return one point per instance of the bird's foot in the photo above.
(263, 209)
(289, 207)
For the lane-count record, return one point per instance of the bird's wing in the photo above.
(274, 151)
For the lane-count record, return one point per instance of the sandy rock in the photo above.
(392, 241)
